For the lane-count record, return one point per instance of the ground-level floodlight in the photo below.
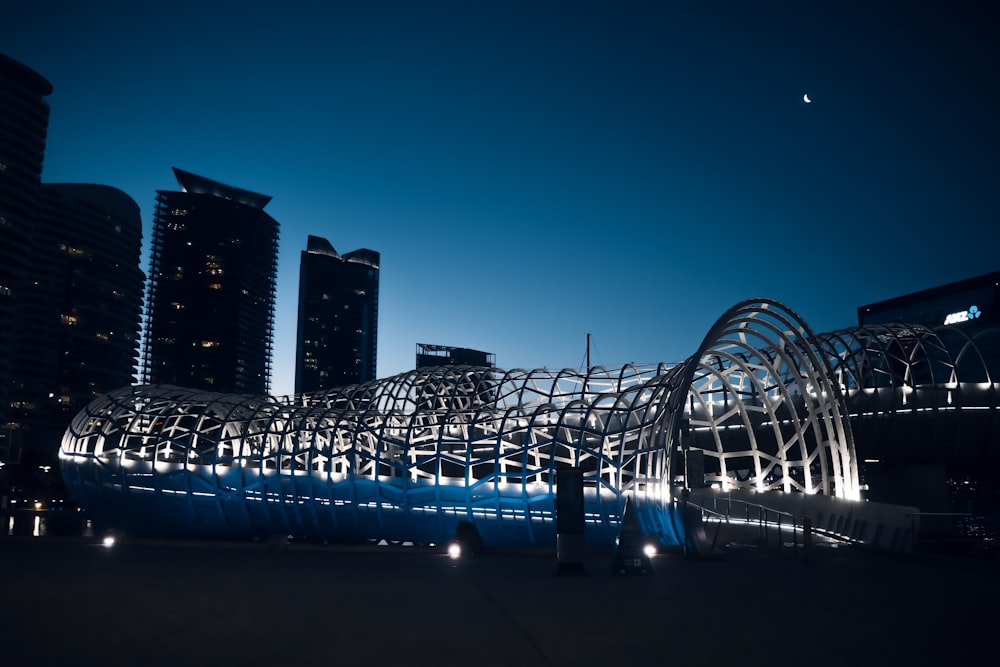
(466, 542)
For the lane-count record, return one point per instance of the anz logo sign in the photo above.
(963, 315)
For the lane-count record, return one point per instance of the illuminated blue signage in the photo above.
(963, 315)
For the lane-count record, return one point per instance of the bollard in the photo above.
(807, 529)
(570, 520)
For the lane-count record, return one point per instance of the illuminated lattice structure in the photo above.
(403, 458)
(407, 457)
(925, 394)
(763, 408)
(903, 358)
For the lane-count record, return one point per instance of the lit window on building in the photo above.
(68, 320)
(177, 305)
(209, 343)
(215, 286)
(71, 251)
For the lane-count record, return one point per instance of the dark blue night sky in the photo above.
(534, 171)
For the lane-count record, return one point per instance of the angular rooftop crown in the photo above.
(199, 184)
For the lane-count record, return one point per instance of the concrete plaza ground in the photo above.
(71, 601)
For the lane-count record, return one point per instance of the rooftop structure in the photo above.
(443, 355)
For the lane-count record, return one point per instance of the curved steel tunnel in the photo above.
(763, 403)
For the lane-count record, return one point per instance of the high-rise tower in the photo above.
(337, 341)
(80, 319)
(70, 291)
(24, 120)
(211, 293)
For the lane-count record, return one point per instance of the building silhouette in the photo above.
(337, 339)
(80, 322)
(24, 118)
(70, 289)
(210, 304)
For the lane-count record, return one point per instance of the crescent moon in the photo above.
(805, 98)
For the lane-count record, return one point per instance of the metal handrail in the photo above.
(762, 518)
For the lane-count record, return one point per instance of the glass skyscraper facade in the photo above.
(210, 306)
(337, 341)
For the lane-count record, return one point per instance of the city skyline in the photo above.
(533, 172)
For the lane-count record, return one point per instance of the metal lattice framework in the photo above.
(916, 393)
(406, 457)
(401, 457)
(763, 408)
(894, 356)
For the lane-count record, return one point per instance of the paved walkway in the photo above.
(71, 601)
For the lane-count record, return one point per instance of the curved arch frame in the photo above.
(764, 345)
